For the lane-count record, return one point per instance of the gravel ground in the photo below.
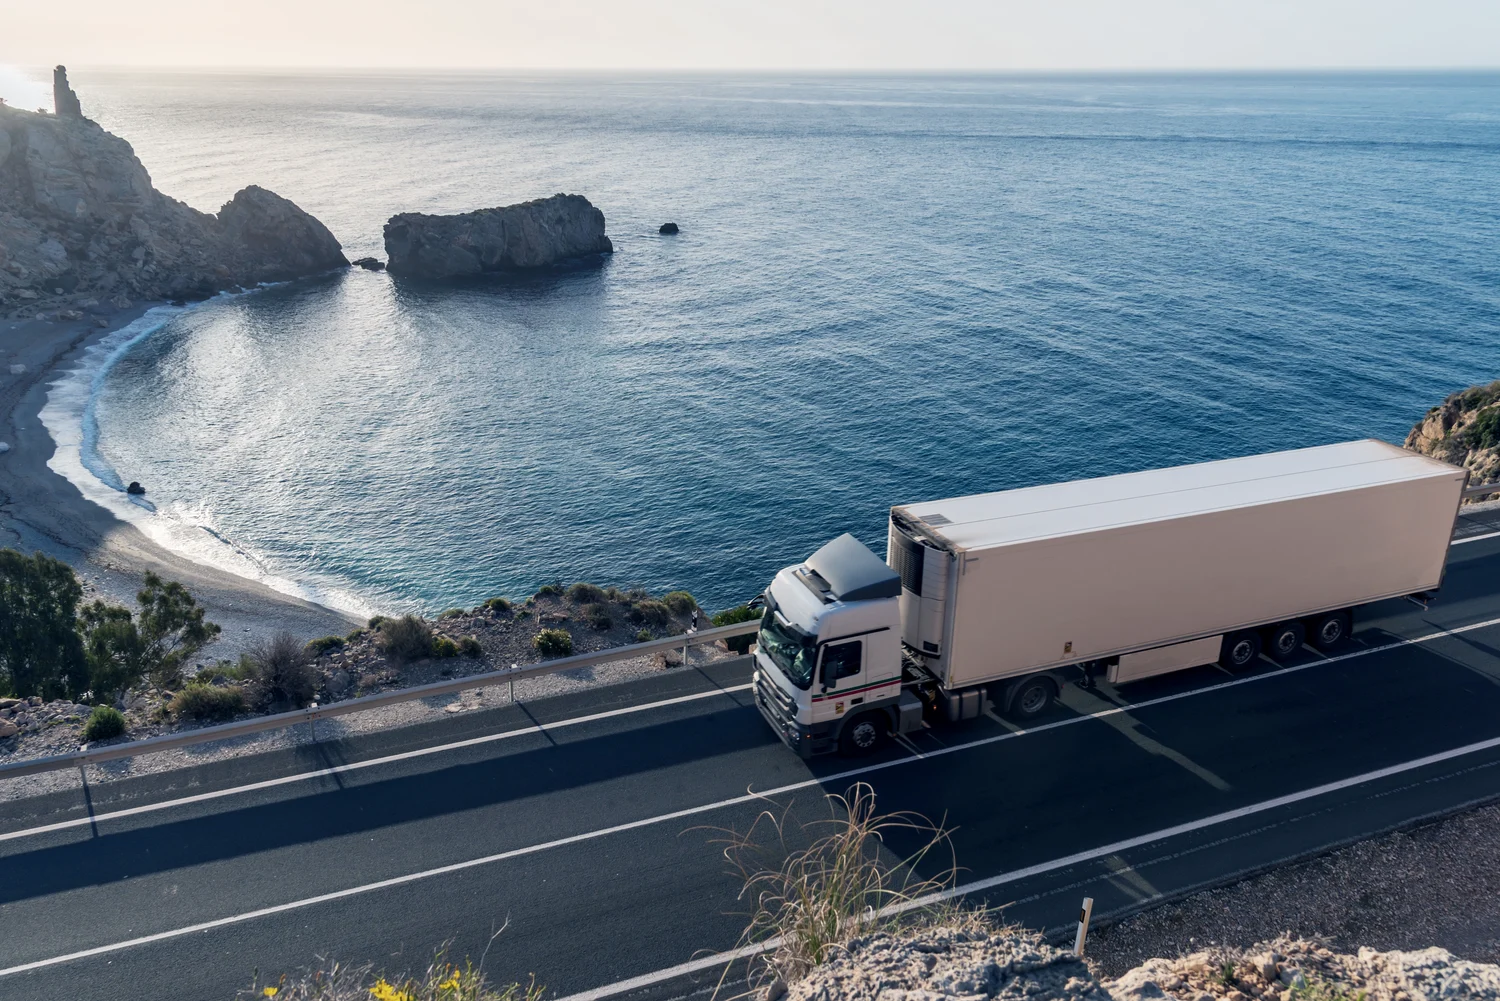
(1436, 885)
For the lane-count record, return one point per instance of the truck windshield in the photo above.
(791, 650)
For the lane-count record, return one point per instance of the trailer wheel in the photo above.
(1283, 640)
(1031, 698)
(1240, 650)
(863, 735)
(1329, 630)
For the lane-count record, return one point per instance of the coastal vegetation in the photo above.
(407, 638)
(52, 648)
(441, 981)
(732, 616)
(553, 643)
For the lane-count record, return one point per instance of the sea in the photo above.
(885, 289)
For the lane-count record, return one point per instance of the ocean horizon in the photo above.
(887, 288)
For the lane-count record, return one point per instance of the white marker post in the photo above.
(1083, 925)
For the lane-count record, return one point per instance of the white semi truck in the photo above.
(998, 600)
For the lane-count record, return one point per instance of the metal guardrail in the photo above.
(1483, 488)
(310, 715)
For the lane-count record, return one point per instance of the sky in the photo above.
(756, 34)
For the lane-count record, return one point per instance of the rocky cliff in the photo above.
(79, 216)
(1464, 430)
(949, 964)
(529, 235)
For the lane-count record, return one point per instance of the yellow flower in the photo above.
(451, 984)
(383, 991)
(271, 992)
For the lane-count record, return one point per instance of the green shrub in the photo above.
(586, 592)
(731, 616)
(680, 602)
(644, 636)
(240, 670)
(650, 613)
(548, 590)
(637, 594)
(613, 594)
(325, 644)
(206, 702)
(406, 638)
(444, 647)
(553, 643)
(469, 647)
(356, 634)
(376, 621)
(104, 722)
(454, 613)
(597, 616)
(498, 605)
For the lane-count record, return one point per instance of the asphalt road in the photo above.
(587, 824)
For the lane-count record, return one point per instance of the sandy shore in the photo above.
(40, 510)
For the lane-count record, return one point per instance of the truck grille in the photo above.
(774, 698)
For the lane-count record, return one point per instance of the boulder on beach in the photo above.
(668, 229)
(532, 234)
(135, 489)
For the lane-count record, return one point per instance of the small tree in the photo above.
(40, 649)
(113, 647)
(172, 629)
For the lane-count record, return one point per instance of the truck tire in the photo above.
(1031, 698)
(1282, 641)
(864, 734)
(1240, 650)
(1328, 630)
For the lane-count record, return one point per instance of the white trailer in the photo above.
(1001, 598)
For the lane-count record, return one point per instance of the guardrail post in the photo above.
(513, 686)
(1083, 925)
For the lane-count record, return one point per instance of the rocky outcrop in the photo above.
(79, 216)
(532, 234)
(1290, 969)
(949, 964)
(1464, 430)
(63, 99)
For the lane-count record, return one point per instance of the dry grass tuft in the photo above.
(441, 981)
(844, 882)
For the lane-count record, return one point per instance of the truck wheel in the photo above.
(1031, 699)
(1240, 650)
(863, 735)
(1283, 640)
(1329, 630)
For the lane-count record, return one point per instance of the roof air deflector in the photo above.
(853, 572)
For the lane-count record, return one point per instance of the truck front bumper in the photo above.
(806, 740)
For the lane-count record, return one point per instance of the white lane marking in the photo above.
(1093, 854)
(779, 790)
(1017, 732)
(1473, 538)
(357, 765)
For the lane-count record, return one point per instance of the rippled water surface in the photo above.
(884, 290)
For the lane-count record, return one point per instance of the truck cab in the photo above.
(828, 654)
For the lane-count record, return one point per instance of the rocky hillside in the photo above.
(529, 235)
(79, 216)
(949, 964)
(1464, 430)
